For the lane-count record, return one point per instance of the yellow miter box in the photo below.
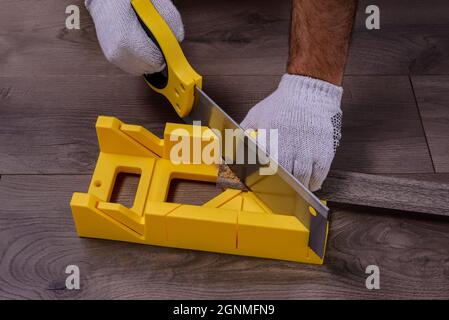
(234, 222)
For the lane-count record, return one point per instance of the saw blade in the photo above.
(281, 183)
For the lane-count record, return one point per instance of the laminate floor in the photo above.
(55, 82)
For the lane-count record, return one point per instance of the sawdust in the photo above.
(228, 180)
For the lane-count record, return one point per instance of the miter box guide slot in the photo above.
(234, 222)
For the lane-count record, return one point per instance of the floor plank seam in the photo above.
(422, 123)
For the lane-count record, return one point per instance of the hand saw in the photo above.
(181, 85)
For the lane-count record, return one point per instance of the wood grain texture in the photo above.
(35, 41)
(382, 132)
(47, 125)
(55, 82)
(39, 241)
(413, 39)
(227, 37)
(433, 101)
(435, 177)
(386, 192)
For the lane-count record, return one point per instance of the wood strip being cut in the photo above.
(386, 192)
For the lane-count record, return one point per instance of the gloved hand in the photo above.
(123, 40)
(307, 114)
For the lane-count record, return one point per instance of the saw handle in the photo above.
(178, 80)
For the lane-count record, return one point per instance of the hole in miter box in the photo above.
(192, 192)
(125, 188)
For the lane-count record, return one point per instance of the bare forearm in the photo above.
(319, 38)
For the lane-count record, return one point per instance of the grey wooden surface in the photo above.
(397, 193)
(55, 82)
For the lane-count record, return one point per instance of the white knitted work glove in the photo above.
(122, 38)
(307, 114)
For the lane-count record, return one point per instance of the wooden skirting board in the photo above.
(386, 192)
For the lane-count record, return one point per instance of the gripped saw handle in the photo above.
(178, 80)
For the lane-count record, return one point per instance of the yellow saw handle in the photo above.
(177, 82)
